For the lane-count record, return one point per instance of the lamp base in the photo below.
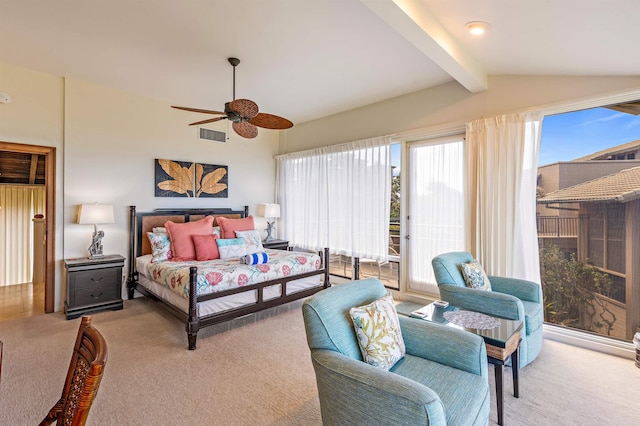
(95, 249)
(269, 229)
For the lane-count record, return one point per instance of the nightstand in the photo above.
(93, 285)
(276, 244)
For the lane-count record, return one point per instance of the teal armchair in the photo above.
(509, 298)
(441, 380)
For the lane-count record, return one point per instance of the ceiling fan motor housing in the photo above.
(232, 115)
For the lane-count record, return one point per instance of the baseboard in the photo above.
(589, 341)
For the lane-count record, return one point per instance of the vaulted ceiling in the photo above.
(22, 168)
(306, 59)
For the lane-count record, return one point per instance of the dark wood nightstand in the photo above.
(93, 285)
(276, 244)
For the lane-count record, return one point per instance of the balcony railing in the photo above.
(555, 226)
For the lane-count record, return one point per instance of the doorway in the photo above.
(49, 154)
(436, 207)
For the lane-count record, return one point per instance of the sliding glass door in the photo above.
(436, 207)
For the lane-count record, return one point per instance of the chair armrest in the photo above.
(486, 301)
(445, 345)
(522, 289)
(354, 392)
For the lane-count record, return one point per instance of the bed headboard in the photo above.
(141, 223)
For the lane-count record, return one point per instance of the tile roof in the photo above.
(620, 187)
(606, 153)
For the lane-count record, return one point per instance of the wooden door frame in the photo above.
(50, 214)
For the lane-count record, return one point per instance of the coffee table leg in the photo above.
(499, 395)
(515, 366)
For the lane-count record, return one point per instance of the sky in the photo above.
(573, 135)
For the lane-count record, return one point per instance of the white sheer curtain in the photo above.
(337, 197)
(18, 205)
(436, 207)
(502, 155)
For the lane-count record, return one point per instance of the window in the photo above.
(585, 214)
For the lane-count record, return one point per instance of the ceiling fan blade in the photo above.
(211, 120)
(206, 111)
(244, 107)
(245, 129)
(270, 121)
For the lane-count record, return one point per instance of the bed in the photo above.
(204, 293)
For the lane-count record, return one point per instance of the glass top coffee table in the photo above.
(501, 337)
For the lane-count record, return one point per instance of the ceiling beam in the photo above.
(33, 169)
(413, 21)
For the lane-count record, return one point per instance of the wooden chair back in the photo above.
(83, 378)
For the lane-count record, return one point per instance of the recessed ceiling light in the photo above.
(477, 27)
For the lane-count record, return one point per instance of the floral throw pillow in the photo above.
(378, 331)
(252, 240)
(160, 246)
(474, 276)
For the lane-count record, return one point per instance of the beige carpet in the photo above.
(259, 373)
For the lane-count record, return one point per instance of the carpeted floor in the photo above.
(259, 373)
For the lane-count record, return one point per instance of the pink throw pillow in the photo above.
(228, 227)
(206, 247)
(180, 234)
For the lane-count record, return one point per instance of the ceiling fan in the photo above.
(243, 113)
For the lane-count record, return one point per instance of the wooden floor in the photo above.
(21, 300)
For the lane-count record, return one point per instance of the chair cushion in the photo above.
(533, 316)
(474, 276)
(460, 392)
(378, 331)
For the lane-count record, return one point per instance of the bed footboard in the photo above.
(195, 322)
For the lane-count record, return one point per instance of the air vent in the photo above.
(212, 135)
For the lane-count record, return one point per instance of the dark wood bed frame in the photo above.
(140, 223)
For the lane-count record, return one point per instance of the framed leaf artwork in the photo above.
(211, 181)
(187, 179)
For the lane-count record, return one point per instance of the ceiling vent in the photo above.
(212, 135)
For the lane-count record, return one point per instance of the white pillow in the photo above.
(252, 240)
(378, 331)
(231, 247)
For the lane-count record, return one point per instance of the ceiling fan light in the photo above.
(477, 27)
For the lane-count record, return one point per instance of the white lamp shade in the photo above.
(93, 214)
(269, 210)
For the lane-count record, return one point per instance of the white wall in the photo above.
(110, 140)
(35, 117)
(448, 104)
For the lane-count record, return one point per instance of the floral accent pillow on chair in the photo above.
(378, 330)
(474, 276)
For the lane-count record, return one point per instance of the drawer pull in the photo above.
(96, 296)
(97, 280)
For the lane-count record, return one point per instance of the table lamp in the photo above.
(95, 214)
(269, 211)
